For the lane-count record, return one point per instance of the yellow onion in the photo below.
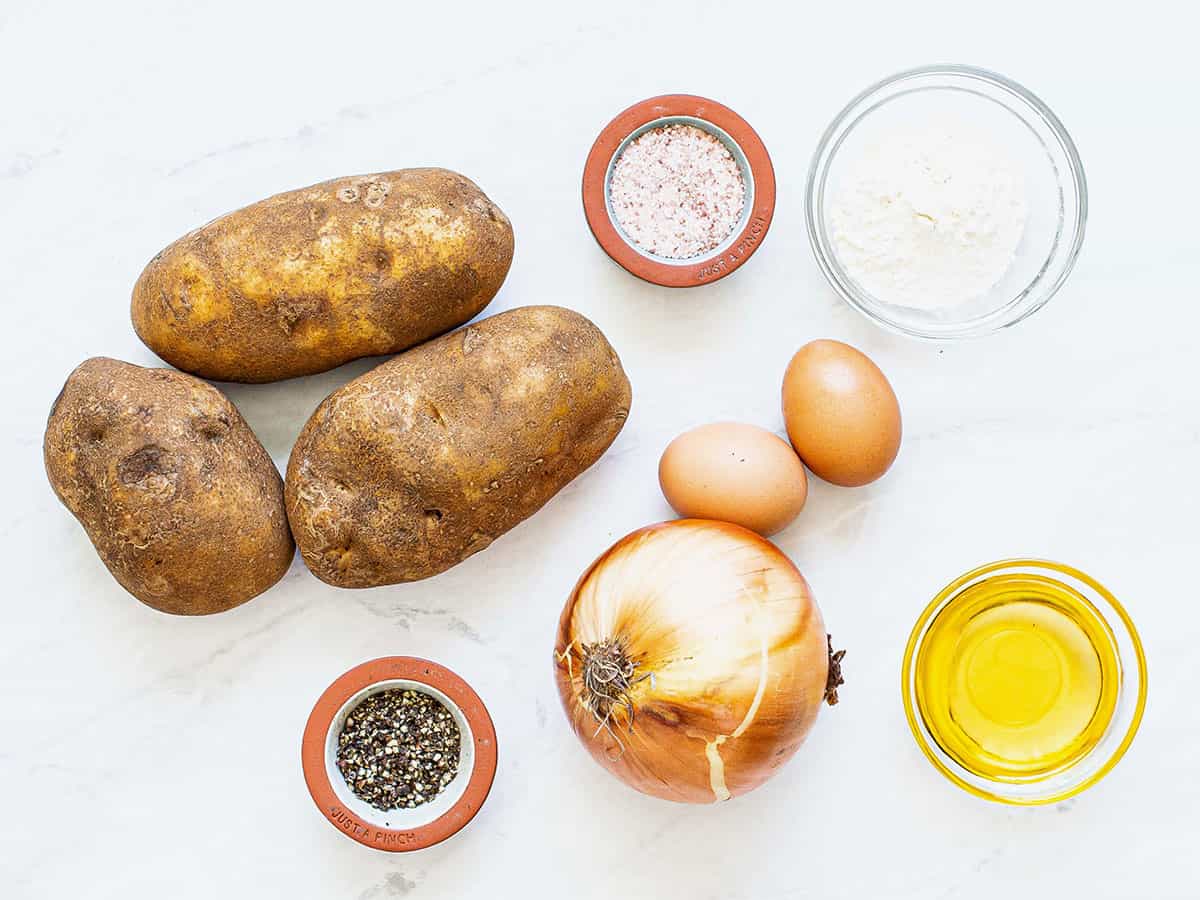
(692, 660)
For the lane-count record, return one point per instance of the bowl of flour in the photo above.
(946, 202)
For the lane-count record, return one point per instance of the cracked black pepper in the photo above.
(399, 749)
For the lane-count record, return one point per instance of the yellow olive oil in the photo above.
(1017, 677)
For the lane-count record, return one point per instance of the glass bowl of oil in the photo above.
(1024, 681)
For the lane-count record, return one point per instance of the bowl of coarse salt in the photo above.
(946, 202)
(679, 190)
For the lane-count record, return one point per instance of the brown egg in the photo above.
(734, 473)
(841, 413)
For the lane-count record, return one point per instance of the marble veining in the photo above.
(147, 756)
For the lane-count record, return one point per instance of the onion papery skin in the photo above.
(731, 659)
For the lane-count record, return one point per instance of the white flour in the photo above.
(930, 218)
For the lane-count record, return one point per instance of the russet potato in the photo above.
(428, 458)
(310, 279)
(180, 499)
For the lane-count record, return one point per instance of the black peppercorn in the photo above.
(399, 749)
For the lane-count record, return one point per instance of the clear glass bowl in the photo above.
(1122, 726)
(1025, 127)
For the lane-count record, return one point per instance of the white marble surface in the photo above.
(148, 756)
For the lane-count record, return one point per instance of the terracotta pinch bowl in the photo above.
(399, 830)
(747, 150)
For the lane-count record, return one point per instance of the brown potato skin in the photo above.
(310, 279)
(180, 499)
(428, 458)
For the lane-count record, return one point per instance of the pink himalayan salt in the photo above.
(676, 191)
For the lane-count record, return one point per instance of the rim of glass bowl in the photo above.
(1127, 717)
(1053, 272)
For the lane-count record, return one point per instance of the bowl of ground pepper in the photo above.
(399, 753)
(679, 190)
